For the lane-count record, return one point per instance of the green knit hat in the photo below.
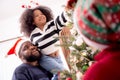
(99, 20)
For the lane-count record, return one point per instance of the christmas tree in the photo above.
(81, 55)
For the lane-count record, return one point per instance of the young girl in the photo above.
(38, 24)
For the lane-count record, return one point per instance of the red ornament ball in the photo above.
(68, 78)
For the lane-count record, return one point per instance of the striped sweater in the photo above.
(45, 39)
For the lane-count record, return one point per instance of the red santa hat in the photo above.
(16, 47)
(99, 21)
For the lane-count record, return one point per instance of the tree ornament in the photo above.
(68, 78)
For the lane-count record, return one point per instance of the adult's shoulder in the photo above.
(21, 68)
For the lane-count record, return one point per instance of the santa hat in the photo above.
(99, 21)
(16, 47)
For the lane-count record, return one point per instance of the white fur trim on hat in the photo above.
(93, 44)
(18, 46)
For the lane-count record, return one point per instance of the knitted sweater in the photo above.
(28, 72)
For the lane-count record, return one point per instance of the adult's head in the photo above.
(98, 21)
(28, 52)
(27, 19)
(25, 50)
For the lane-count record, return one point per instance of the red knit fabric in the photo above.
(107, 66)
(99, 20)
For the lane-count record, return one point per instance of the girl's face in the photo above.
(39, 18)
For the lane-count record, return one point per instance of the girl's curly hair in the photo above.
(26, 19)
